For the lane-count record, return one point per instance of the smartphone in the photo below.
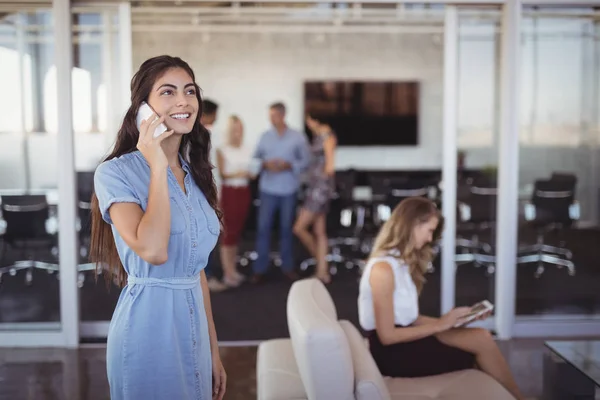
(476, 310)
(146, 112)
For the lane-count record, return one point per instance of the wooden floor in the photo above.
(58, 374)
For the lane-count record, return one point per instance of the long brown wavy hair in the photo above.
(194, 148)
(396, 232)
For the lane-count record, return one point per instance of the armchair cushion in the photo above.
(368, 382)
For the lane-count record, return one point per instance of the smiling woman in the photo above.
(154, 223)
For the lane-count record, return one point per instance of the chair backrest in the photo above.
(25, 216)
(482, 200)
(565, 177)
(345, 182)
(400, 189)
(552, 199)
(320, 346)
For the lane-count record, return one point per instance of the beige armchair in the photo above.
(327, 359)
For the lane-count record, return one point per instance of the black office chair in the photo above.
(552, 207)
(392, 190)
(27, 236)
(477, 213)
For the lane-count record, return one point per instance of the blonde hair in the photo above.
(231, 121)
(396, 232)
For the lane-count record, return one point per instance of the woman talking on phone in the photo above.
(403, 342)
(154, 223)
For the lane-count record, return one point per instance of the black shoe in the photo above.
(257, 279)
(292, 275)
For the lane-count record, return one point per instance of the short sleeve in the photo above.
(111, 186)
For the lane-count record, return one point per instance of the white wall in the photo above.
(245, 73)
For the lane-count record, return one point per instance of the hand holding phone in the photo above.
(144, 113)
(150, 145)
(477, 310)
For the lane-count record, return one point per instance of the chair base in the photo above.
(549, 259)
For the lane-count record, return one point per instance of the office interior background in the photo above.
(505, 97)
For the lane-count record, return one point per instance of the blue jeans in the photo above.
(269, 205)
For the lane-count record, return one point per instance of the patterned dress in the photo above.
(158, 342)
(321, 187)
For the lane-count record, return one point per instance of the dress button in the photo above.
(194, 342)
(194, 244)
(189, 208)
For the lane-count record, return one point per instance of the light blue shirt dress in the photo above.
(158, 342)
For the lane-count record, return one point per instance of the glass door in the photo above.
(478, 60)
(29, 229)
(99, 74)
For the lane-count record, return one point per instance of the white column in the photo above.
(107, 77)
(22, 51)
(508, 170)
(595, 125)
(67, 237)
(125, 56)
(449, 177)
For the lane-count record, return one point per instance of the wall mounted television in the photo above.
(366, 113)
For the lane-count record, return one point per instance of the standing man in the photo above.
(208, 118)
(284, 155)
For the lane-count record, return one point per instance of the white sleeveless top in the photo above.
(235, 159)
(406, 297)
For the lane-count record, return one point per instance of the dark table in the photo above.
(572, 370)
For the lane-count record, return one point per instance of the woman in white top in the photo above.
(233, 163)
(403, 342)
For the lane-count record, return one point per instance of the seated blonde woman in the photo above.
(403, 342)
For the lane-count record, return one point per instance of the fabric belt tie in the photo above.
(169, 283)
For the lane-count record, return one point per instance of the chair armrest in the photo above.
(464, 211)
(575, 210)
(530, 211)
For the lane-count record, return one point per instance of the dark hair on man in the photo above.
(279, 106)
(209, 107)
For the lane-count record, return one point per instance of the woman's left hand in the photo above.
(219, 378)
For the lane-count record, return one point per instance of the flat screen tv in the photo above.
(366, 113)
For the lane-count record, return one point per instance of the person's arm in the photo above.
(329, 148)
(145, 232)
(424, 319)
(382, 288)
(218, 372)
(301, 156)
(260, 153)
(212, 333)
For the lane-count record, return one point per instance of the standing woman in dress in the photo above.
(154, 223)
(233, 162)
(403, 342)
(321, 187)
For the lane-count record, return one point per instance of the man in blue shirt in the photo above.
(284, 154)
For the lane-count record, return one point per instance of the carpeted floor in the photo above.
(259, 312)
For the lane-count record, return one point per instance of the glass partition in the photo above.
(558, 236)
(96, 103)
(29, 287)
(477, 155)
